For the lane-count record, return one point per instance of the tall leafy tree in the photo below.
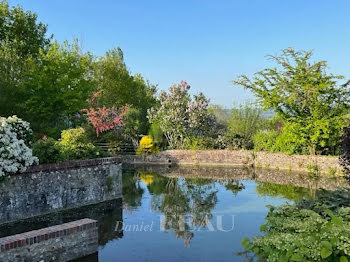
(21, 39)
(305, 95)
(21, 30)
(44, 83)
(58, 88)
(119, 88)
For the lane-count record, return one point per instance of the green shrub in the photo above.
(157, 135)
(198, 143)
(279, 141)
(47, 150)
(265, 140)
(245, 121)
(74, 144)
(312, 230)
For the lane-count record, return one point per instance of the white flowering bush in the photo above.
(181, 117)
(15, 142)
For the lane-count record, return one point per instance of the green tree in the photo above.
(58, 88)
(303, 93)
(245, 121)
(44, 83)
(119, 87)
(21, 39)
(22, 31)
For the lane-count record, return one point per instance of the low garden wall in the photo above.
(302, 163)
(47, 188)
(59, 243)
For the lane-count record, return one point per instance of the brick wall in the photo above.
(57, 243)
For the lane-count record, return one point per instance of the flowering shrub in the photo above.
(15, 142)
(104, 118)
(147, 146)
(179, 116)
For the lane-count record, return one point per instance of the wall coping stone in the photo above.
(72, 164)
(44, 234)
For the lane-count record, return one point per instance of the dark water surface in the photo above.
(170, 217)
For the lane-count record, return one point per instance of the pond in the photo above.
(175, 213)
(194, 214)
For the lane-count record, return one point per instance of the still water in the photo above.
(185, 217)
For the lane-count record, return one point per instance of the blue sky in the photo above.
(206, 42)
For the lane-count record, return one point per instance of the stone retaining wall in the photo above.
(57, 243)
(49, 188)
(239, 158)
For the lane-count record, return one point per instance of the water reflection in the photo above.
(186, 204)
(132, 191)
(289, 192)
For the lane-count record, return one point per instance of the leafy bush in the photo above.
(147, 146)
(265, 140)
(47, 150)
(333, 200)
(244, 122)
(312, 230)
(15, 142)
(305, 95)
(280, 141)
(198, 143)
(74, 144)
(157, 135)
(228, 142)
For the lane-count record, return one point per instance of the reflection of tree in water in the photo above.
(203, 200)
(287, 191)
(185, 203)
(175, 207)
(132, 191)
(234, 186)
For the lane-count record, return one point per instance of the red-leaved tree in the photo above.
(104, 118)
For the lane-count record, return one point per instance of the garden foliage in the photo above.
(180, 117)
(306, 97)
(47, 150)
(15, 146)
(245, 121)
(74, 144)
(312, 230)
(147, 146)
